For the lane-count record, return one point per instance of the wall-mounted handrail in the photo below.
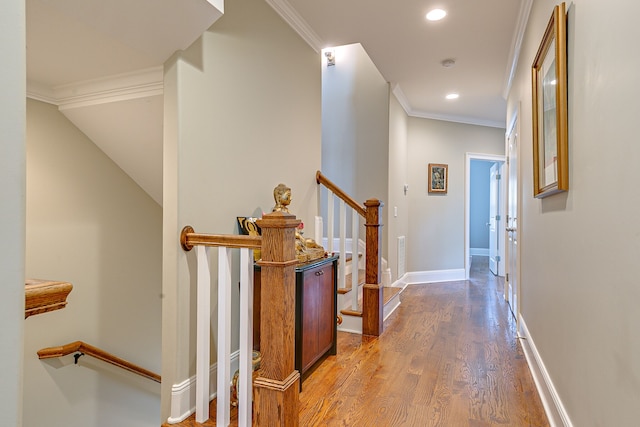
(321, 179)
(89, 350)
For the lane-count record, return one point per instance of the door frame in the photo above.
(467, 201)
(514, 127)
(500, 228)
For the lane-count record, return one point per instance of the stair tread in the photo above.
(388, 292)
(347, 282)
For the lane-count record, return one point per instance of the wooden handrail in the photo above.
(321, 179)
(372, 296)
(79, 346)
(42, 296)
(189, 239)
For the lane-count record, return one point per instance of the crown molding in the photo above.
(40, 92)
(299, 25)
(458, 119)
(516, 45)
(120, 87)
(402, 99)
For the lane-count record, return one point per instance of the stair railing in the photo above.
(80, 348)
(276, 388)
(372, 297)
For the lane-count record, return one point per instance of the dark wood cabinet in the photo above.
(315, 332)
(315, 313)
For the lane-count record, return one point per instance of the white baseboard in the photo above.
(556, 413)
(391, 306)
(183, 395)
(433, 276)
(351, 324)
(479, 251)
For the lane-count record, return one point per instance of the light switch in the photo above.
(395, 211)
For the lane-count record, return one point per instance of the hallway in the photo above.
(448, 357)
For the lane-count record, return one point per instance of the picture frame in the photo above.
(438, 178)
(550, 116)
(248, 227)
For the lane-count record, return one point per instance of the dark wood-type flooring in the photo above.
(449, 357)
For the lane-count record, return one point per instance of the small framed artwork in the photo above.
(247, 226)
(550, 129)
(438, 178)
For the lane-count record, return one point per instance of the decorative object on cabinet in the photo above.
(550, 129)
(306, 249)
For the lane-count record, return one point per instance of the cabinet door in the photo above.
(310, 318)
(326, 311)
(318, 314)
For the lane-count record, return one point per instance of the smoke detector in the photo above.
(448, 63)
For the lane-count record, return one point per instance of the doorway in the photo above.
(512, 282)
(489, 227)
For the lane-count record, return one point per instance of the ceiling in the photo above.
(101, 62)
(482, 38)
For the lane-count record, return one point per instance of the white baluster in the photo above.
(318, 230)
(355, 267)
(343, 245)
(330, 221)
(203, 325)
(246, 338)
(224, 337)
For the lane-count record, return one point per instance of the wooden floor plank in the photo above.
(449, 356)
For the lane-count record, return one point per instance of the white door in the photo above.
(512, 293)
(495, 221)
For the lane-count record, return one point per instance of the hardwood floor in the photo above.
(448, 357)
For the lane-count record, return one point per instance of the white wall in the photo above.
(355, 128)
(436, 220)
(89, 224)
(579, 249)
(398, 176)
(12, 208)
(242, 114)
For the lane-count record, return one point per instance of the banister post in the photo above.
(372, 298)
(277, 388)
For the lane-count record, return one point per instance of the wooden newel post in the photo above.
(372, 299)
(277, 388)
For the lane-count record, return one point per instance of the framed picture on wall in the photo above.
(438, 178)
(550, 129)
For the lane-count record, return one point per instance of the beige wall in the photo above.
(437, 220)
(89, 224)
(242, 114)
(579, 286)
(355, 129)
(398, 176)
(12, 208)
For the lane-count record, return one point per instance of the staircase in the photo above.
(352, 318)
(364, 299)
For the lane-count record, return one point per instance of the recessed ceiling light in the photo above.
(452, 96)
(436, 15)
